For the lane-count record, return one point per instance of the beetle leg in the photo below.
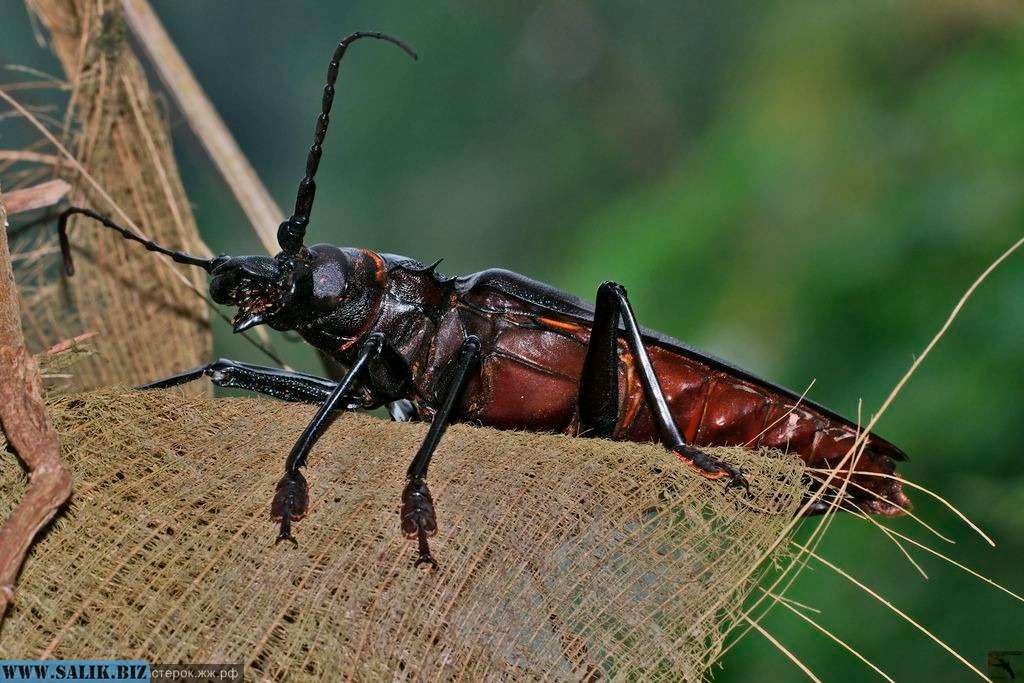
(292, 496)
(283, 384)
(599, 381)
(417, 514)
(599, 389)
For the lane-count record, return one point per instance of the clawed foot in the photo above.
(710, 468)
(418, 520)
(290, 504)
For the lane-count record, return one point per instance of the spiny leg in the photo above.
(418, 518)
(283, 384)
(599, 388)
(291, 499)
(287, 385)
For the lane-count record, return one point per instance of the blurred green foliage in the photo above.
(804, 188)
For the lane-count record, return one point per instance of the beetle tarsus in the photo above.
(290, 503)
(424, 551)
(737, 480)
(418, 518)
(286, 532)
(711, 468)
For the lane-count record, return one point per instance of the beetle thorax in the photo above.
(347, 287)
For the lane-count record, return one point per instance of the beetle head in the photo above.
(282, 291)
(319, 286)
(265, 289)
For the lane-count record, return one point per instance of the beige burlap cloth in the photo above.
(561, 559)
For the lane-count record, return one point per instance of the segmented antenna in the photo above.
(292, 231)
(65, 247)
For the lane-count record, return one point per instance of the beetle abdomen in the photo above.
(529, 380)
(714, 408)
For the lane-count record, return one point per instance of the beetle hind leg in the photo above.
(710, 467)
(599, 386)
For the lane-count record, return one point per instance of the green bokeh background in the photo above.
(805, 188)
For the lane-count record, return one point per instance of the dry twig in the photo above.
(259, 207)
(252, 195)
(36, 197)
(25, 155)
(28, 431)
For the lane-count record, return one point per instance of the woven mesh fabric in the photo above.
(560, 558)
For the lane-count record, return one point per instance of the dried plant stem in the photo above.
(260, 208)
(917, 487)
(36, 197)
(831, 636)
(781, 648)
(27, 428)
(956, 564)
(906, 617)
(26, 155)
(805, 552)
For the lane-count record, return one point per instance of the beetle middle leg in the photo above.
(599, 385)
(418, 517)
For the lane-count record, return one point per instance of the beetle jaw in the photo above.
(256, 285)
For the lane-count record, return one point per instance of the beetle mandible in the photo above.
(496, 348)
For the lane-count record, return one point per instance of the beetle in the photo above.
(496, 348)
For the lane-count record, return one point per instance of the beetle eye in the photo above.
(329, 281)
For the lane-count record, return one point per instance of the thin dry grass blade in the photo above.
(36, 197)
(952, 508)
(782, 648)
(263, 213)
(25, 155)
(831, 636)
(892, 537)
(896, 610)
(909, 513)
(956, 564)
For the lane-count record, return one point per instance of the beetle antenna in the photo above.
(293, 230)
(65, 247)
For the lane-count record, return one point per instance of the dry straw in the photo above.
(560, 558)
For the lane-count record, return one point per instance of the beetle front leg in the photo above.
(286, 385)
(291, 499)
(599, 388)
(418, 517)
